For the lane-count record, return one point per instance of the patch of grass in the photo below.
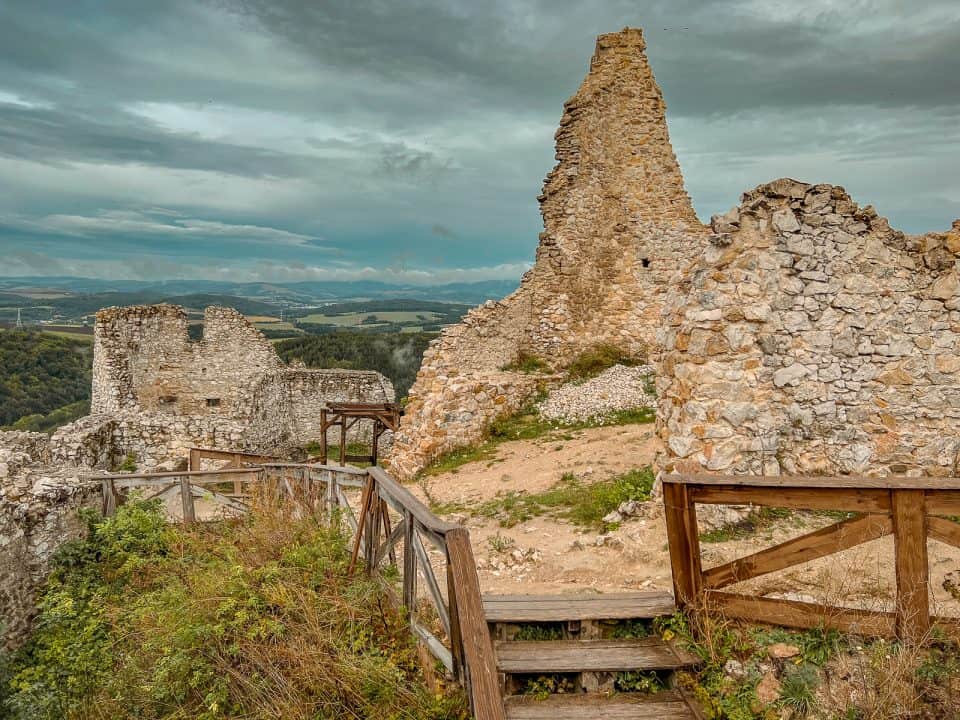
(798, 689)
(631, 630)
(253, 618)
(529, 364)
(757, 520)
(584, 504)
(539, 632)
(639, 681)
(528, 425)
(595, 360)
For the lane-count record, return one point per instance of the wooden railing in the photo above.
(468, 651)
(909, 509)
(236, 459)
(391, 529)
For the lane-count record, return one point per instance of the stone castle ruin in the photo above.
(798, 334)
(156, 394)
(617, 224)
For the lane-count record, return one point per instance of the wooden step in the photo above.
(564, 608)
(560, 656)
(666, 705)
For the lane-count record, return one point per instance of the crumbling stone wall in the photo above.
(38, 512)
(813, 338)
(144, 360)
(617, 225)
(229, 390)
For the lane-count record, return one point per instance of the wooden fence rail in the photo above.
(909, 509)
(391, 529)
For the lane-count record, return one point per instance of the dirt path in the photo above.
(546, 554)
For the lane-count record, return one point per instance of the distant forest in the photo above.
(40, 375)
(45, 378)
(396, 355)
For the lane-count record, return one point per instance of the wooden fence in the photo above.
(391, 529)
(910, 509)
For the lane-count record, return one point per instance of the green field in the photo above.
(356, 318)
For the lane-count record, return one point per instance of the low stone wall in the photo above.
(811, 338)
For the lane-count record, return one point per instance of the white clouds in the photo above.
(156, 224)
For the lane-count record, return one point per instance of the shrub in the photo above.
(254, 618)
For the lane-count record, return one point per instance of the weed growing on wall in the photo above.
(254, 618)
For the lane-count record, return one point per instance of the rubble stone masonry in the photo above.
(812, 338)
(617, 225)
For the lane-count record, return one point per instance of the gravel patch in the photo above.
(617, 388)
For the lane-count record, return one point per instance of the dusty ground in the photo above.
(551, 555)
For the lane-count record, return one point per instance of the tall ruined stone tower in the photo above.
(618, 224)
(616, 216)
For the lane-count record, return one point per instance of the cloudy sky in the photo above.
(408, 139)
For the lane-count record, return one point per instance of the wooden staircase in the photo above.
(587, 654)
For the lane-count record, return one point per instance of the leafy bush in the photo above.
(254, 618)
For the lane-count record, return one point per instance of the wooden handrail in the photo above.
(175, 474)
(889, 482)
(910, 509)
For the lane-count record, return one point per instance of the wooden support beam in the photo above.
(825, 541)
(793, 613)
(943, 502)
(946, 531)
(910, 555)
(682, 534)
(186, 496)
(483, 686)
(858, 500)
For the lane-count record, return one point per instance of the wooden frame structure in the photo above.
(385, 416)
(910, 509)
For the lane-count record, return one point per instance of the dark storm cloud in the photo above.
(275, 135)
(58, 136)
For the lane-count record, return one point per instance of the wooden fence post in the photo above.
(409, 565)
(194, 459)
(186, 496)
(684, 540)
(910, 552)
(483, 685)
(109, 498)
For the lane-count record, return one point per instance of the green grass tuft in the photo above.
(582, 503)
(594, 361)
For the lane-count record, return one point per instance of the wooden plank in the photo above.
(566, 608)
(826, 541)
(846, 499)
(483, 685)
(668, 705)
(392, 539)
(436, 648)
(231, 503)
(797, 614)
(186, 496)
(944, 502)
(804, 482)
(409, 565)
(390, 488)
(359, 524)
(431, 580)
(532, 656)
(683, 538)
(910, 559)
(946, 531)
(109, 497)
